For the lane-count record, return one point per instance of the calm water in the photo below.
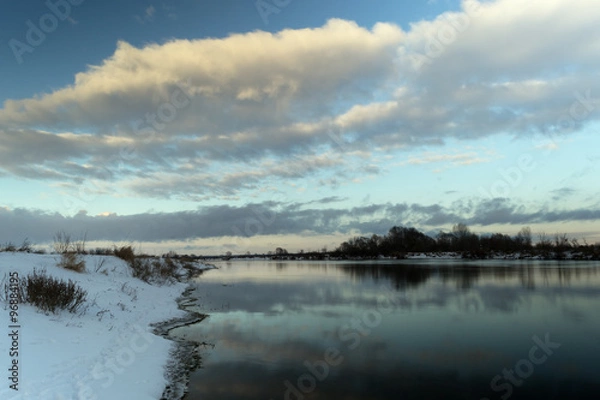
(398, 330)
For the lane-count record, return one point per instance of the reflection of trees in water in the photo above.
(565, 275)
(465, 276)
(527, 277)
(401, 276)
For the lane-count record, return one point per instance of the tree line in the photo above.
(402, 240)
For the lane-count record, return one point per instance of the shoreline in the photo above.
(183, 357)
(116, 346)
(441, 255)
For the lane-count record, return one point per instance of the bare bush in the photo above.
(79, 245)
(50, 294)
(9, 247)
(148, 269)
(69, 251)
(103, 251)
(25, 246)
(99, 264)
(125, 253)
(72, 261)
(62, 242)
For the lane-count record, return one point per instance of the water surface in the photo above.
(398, 330)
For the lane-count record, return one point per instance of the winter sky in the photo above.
(207, 126)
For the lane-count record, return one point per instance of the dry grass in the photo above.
(70, 252)
(72, 261)
(154, 270)
(47, 293)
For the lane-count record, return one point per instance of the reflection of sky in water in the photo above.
(432, 330)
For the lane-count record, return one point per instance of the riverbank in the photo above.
(184, 357)
(110, 348)
(571, 255)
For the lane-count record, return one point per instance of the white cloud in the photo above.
(147, 16)
(496, 67)
(243, 81)
(452, 159)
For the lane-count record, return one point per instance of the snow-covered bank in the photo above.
(105, 351)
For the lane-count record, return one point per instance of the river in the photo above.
(424, 329)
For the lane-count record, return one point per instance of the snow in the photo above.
(105, 351)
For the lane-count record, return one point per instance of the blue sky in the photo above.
(248, 125)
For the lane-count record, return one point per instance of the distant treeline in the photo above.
(402, 240)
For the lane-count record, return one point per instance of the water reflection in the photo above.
(427, 330)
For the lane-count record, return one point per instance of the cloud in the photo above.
(163, 120)
(257, 79)
(562, 193)
(448, 160)
(279, 217)
(147, 16)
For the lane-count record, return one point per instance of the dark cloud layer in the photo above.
(275, 218)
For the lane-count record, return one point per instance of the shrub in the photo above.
(141, 269)
(50, 294)
(62, 242)
(25, 246)
(72, 261)
(103, 251)
(167, 269)
(9, 247)
(69, 252)
(154, 271)
(125, 253)
(147, 269)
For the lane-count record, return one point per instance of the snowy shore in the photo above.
(107, 350)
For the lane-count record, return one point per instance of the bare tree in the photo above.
(543, 241)
(524, 237)
(79, 246)
(460, 230)
(561, 241)
(62, 242)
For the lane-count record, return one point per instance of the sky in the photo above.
(240, 125)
